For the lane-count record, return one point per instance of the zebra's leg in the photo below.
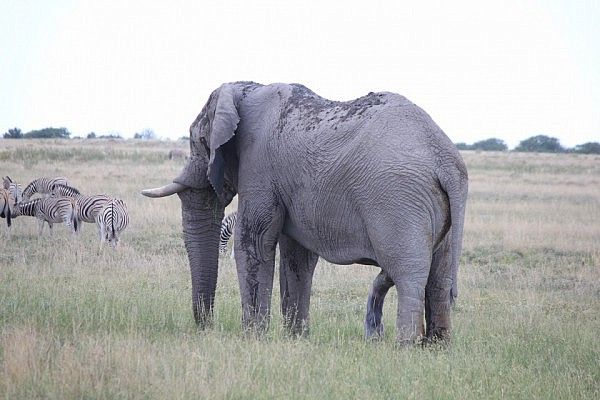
(50, 227)
(102, 234)
(40, 226)
(373, 324)
(114, 243)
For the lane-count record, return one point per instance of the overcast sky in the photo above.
(506, 69)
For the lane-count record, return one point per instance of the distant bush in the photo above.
(540, 144)
(14, 133)
(492, 144)
(146, 134)
(587, 148)
(110, 136)
(48, 133)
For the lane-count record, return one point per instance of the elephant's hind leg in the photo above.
(297, 265)
(373, 323)
(409, 271)
(437, 294)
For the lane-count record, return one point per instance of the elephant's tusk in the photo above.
(164, 191)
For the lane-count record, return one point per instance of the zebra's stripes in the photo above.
(42, 186)
(88, 207)
(6, 203)
(227, 229)
(14, 188)
(51, 210)
(112, 220)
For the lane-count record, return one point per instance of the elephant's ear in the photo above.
(223, 128)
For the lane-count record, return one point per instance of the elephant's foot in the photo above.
(255, 324)
(437, 337)
(373, 332)
(438, 320)
(409, 323)
(297, 330)
(203, 322)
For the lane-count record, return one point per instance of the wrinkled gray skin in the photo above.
(372, 181)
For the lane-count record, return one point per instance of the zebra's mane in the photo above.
(29, 188)
(66, 187)
(30, 202)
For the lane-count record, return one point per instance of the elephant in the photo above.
(370, 181)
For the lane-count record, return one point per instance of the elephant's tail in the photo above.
(454, 181)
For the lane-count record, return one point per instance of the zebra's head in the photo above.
(14, 189)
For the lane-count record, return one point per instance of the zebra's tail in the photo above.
(6, 213)
(74, 215)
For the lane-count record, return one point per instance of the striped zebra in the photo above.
(51, 210)
(42, 186)
(88, 207)
(14, 188)
(6, 204)
(112, 220)
(227, 229)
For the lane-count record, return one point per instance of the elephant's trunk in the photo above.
(201, 217)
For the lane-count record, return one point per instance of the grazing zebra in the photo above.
(6, 203)
(112, 220)
(42, 186)
(51, 210)
(14, 188)
(88, 207)
(227, 229)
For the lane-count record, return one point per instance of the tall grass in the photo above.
(76, 322)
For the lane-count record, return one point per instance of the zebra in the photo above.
(6, 202)
(14, 188)
(42, 186)
(51, 210)
(88, 207)
(227, 229)
(112, 220)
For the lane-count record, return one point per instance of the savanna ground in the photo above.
(78, 323)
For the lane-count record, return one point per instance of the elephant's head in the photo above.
(205, 186)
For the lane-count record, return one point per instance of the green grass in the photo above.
(76, 322)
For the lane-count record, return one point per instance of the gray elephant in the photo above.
(372, 181)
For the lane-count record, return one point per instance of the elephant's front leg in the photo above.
(257, 230)
(373, 323)
(297, 265)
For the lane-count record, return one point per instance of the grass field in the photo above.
(79, 323)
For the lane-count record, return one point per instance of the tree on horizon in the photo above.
(540, 144)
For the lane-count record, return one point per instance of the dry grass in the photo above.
(75, 323)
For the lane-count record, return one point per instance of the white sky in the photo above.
(506, 69)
